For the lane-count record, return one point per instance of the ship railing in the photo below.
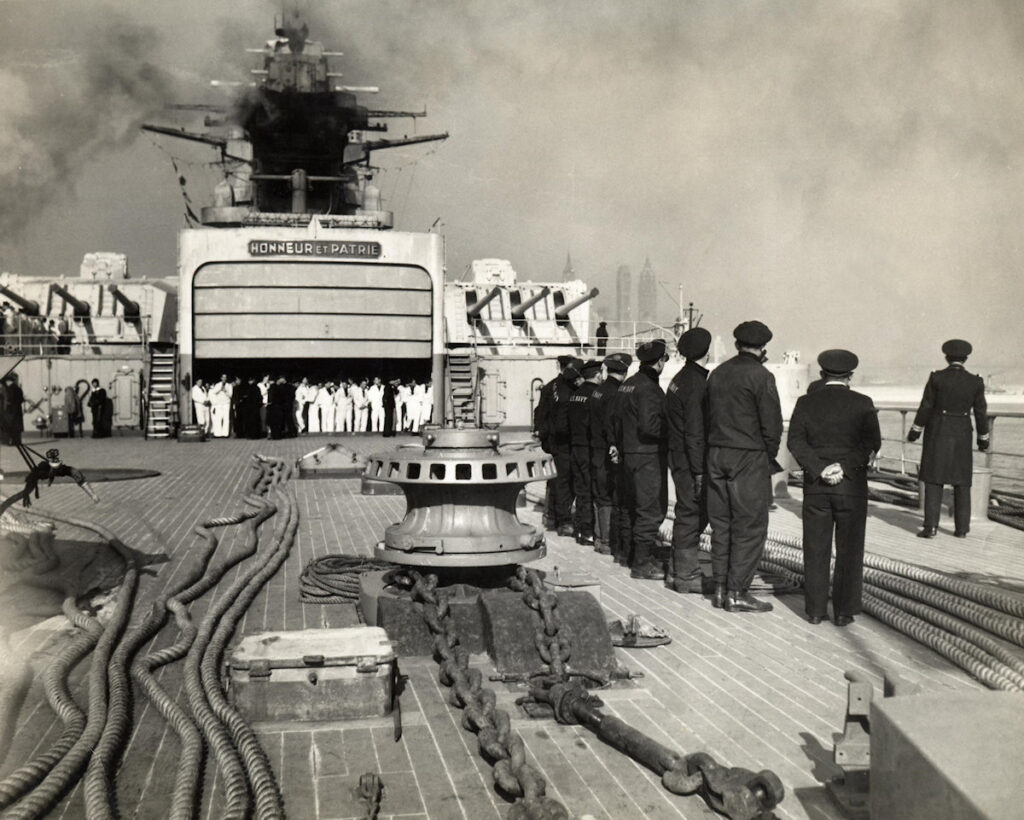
(623, 337)
(905, 459)
(83, 335)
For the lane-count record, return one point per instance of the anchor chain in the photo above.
(498, 743)
(552, 638)
(737, 793)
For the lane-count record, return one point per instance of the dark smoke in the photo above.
(54, 119)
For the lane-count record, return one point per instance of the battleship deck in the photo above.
(757, 691)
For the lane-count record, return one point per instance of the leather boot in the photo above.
(928, 532)
(744, 602)
(718, 596)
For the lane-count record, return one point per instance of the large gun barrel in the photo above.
(564, 311)
(473, 311)
(131, 308)
(519, 311)
(27, 305)
(80, 308)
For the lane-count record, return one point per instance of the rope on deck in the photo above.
(94, 741)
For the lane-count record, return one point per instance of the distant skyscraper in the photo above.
(647, 294)
(624, 294)
(568, 274)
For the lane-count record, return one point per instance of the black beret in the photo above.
(590, 368)
(752, 333)
(694, 343)
(957, 349)
(618, 362)
(838, 362)
(573, 365)
(651, 351)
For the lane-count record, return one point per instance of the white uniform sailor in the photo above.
(323, 406)
(201, 404)
(360, 405)
(302, 404)
(375, 396)
(220, 408)
(343, 408)
(413, 406)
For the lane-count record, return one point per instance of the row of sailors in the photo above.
(280, 409)
(616, 440)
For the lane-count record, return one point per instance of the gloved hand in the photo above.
(913, 435)
(983, 444)
(832, 474)
(698, 486)
(613, 454)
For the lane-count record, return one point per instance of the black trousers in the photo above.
(739, 494)
(649, 501)
(584, 519)
(621, 526)
(691, 519)
(961, 506)
(562, 485)
(825, 514)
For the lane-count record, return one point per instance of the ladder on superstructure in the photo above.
(162, 401)
(462, 388)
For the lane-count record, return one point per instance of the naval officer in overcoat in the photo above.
(834, 436)
(944, 417)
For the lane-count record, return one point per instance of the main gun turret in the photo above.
(519, 312)
(132, 311)
(563, 312)
(28, 306)
(474, 310)
(81, 309)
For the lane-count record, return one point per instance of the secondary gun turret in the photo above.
(132, 311)
(563, 312)
(519, 311)
(80, 308)
(473, 311)
(28, 306)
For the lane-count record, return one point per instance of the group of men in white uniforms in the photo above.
(322, 408)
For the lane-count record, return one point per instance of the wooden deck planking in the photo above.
(754, 690)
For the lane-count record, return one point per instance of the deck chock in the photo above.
(331, 461)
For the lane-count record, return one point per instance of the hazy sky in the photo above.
(850, 173)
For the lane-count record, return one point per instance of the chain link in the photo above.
(513, 775)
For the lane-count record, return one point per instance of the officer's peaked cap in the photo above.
(838, 362)
(752, 333)
(694, 343)
(651, 351)
(957, 349)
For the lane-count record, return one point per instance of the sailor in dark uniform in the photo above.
(944, 416)
(603, 473)
(552, 425)
(645, 450)
(744, 431)
(834, 435)
(684, 411)
(579, 435)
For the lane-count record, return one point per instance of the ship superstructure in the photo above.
(294, 268)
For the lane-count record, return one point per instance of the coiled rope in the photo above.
(66, 771)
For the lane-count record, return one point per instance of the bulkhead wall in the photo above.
(310, 294)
